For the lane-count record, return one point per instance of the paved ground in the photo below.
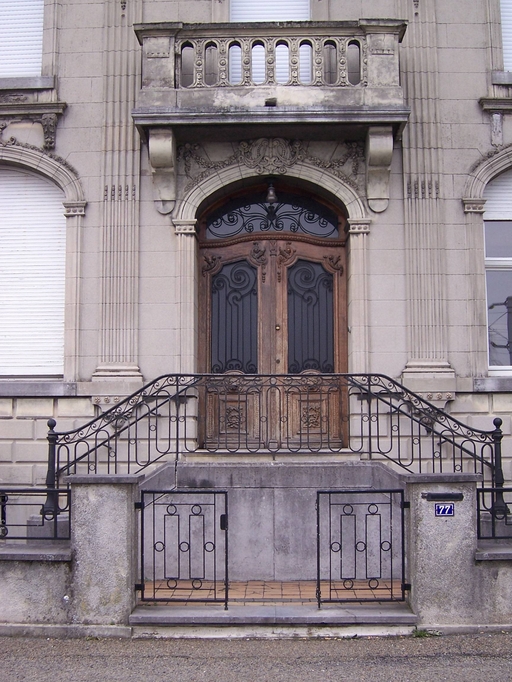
(485, 657)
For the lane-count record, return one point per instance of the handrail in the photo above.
(367, 414)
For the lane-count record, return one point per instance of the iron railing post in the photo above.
(50, 508)
(499, 507)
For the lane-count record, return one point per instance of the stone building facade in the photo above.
(136, 116)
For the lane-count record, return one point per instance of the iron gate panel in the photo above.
(184, 546)
(360, 546)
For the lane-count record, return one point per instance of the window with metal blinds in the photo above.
(32, 275)
(269, 10)
(498, 197)
(506, 31)
(498, 264)
(21, 38)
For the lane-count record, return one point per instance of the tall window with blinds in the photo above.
(506, 32)
(32, 275)
(498, 261)
(270, 10)
(21, 38)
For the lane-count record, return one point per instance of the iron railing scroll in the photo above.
(370, 415)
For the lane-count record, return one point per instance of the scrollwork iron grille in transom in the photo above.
(291, 214)
(234, 319)
(310, 318)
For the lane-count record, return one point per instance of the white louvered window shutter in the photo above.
(506, 32)
(498, 264)
(21, 38)
(32, 275)
(272, 10)
(498, 196)
(269, 10)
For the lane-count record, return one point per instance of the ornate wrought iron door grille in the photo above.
(360, 546)
(183, 546)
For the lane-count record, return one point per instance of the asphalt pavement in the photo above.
(478, 657)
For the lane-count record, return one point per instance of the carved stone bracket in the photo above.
(162, 157)
(379, 153)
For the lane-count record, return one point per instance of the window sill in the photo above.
(36, 388)
(28, 83)
(501, 77)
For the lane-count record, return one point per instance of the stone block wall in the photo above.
(23, 430)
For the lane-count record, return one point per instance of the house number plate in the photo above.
(446, 509)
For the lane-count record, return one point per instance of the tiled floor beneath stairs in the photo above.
(260, 602)
(261, 592)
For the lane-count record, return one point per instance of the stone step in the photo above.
(396, 615)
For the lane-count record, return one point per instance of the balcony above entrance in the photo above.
(287, 73)
(320, 81)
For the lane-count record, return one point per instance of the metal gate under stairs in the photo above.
(184, 551)
(183, 546)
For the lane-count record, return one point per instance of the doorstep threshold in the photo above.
(396, 613)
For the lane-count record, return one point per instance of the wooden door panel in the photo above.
(273, 417)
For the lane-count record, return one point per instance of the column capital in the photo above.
(358, 226)
(473, 205)
(187, 227)
(74, 208)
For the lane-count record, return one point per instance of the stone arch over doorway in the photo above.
(328, 185)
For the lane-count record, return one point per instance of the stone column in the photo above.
(359, 231)
(187, 277)
(120, 178)
(104, 544)
(441, 550)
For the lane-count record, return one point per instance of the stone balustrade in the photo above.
(349, 55)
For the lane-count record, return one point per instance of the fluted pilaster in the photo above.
(187, 277)
(424, 239)
(359, 231)
(120, 178)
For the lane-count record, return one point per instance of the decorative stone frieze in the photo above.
(274, 156)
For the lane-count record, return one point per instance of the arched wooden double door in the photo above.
(272, 299)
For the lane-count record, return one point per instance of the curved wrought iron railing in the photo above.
(370, 415)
